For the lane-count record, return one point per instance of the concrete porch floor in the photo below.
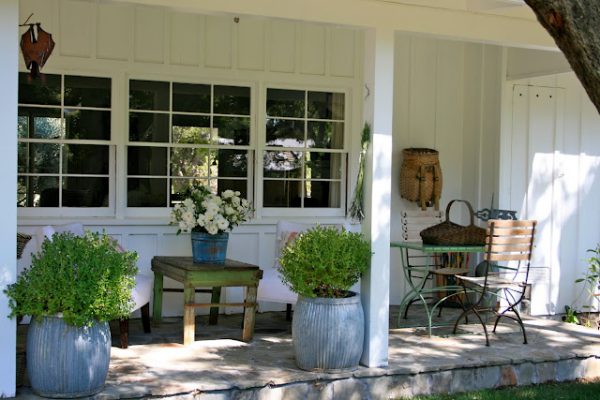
(219, 366)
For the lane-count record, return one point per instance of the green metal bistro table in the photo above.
(417, 290)
(193, 275)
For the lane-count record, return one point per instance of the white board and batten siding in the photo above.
(124, 41)
(550, 161)
(446, 97)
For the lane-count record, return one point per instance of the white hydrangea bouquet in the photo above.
(202, 211)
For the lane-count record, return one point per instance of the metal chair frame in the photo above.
(507, 241)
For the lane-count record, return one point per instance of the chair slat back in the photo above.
(509, 240)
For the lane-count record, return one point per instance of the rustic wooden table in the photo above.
(192, 275)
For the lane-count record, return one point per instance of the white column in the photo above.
(379, 78)
(9, 32)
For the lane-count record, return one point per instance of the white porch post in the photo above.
(9, 32)
(379, 78)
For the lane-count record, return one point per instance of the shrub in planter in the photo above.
(75, 285)
(321, 265)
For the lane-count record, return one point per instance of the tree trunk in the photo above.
(575, 27)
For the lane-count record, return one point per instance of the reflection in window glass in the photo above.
(146, 160)
(38, 91)
(85, 192)
(85, 159)
(325, 135)
(232, 100)
(42, 191)
(146, 192)
(39, 123)
(232, 130)
(148, 127)
(299, 120)
(325, 105)
(191, 129)
(179, 186)
(190, 162)
(285, 103)
(83, 91)
(87, 124)
(39, 158)
(282, 193)
(230, 163)
(285, 133)
(282, 164)
(148, 95)
(237, 185)
(191, 98)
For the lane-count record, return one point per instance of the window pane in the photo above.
(36, 91)
(191, 98)
(237, 184)
(285, 103)
(323, 105)
(87, 124)
(22, 190)
(323, 165)
(82, 91)
(148, 95)
(179, 186)
(39, 158)
(85, 192)
(322, 194)
(232, 130)
(148, 127)
(285, 133)
(85, 159)
(230, 163)
(232, 100)
(147, 161)
(282, 193)
(146, 192)
(282, 164)
(39, 123)
(186, 162)
(41, 191)
(191, 129)
(325, 135)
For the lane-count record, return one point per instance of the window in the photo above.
(64, 134)
(182, 132)
(304, 152)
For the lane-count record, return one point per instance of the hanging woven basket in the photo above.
(421, 177)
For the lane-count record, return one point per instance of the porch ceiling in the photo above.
(503, 22)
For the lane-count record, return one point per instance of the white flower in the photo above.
(227, 194)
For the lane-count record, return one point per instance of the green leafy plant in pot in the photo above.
(75, 285)
(321, 265)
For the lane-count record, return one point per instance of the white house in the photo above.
(105, 141)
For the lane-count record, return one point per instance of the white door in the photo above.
(534, 169)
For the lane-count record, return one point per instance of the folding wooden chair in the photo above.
(509, 242)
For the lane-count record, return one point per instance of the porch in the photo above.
(219, 366)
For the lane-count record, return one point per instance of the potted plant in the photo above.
(75, 285)
(591, 282)
(209, 218)
(321, 265)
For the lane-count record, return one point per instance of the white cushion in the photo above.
(271, 288)
(142, 290)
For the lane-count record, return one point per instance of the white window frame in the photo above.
(164, 212)
(68, 212)
(262, 147)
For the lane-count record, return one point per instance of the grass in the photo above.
(549, 391)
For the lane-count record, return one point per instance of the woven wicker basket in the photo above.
(421, 177)
(22, 240)
(451, 233)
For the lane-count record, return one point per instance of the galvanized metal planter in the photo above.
(65, 361)
(328, 333)
(207, 248)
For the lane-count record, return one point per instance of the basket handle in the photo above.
(471, 213)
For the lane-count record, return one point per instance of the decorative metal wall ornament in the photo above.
(36, 46)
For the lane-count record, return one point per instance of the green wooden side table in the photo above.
(193, 275)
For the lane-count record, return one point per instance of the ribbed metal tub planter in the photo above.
(65, 361)
(328, 333)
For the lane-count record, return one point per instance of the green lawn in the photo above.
(549, 391)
